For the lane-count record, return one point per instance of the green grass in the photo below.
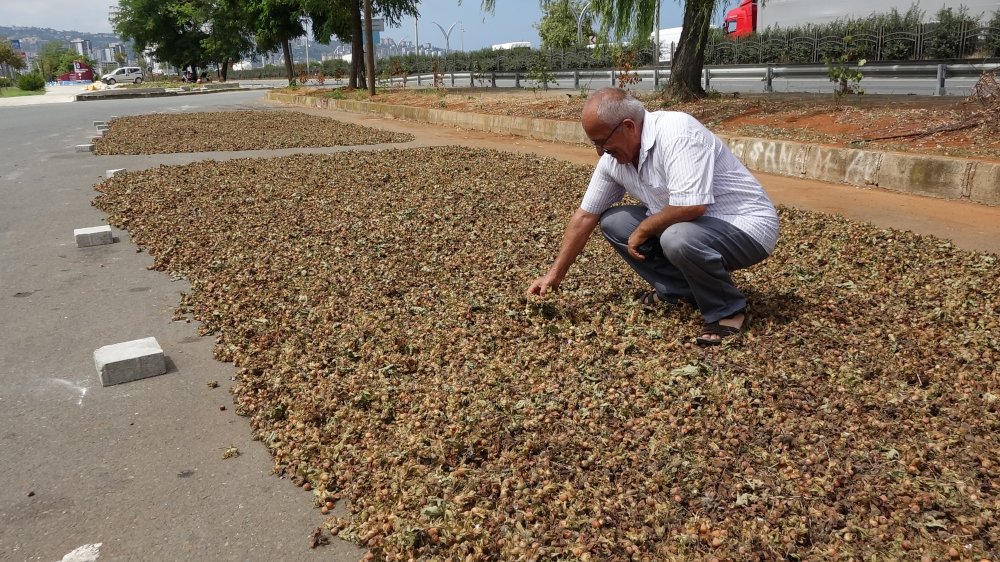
(15, 91)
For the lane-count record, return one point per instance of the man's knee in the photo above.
(617, 223)
(676, 241)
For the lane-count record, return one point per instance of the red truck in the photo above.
(741, 20)
(753, 15)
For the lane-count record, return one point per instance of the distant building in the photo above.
(82, 47)
(512, 45)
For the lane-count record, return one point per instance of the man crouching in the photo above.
(703, 214)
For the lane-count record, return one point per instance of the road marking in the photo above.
(85, 553)
(82, 390)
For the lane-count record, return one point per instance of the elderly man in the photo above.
(702, 216)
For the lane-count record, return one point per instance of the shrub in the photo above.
(5, 82)
(951, 38)
(31, 82)
(993, 34)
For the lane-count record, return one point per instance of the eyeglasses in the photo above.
(600, 145)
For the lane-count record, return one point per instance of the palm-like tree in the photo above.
(629, 19)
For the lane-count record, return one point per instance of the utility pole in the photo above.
(416, 38)
(369, 48)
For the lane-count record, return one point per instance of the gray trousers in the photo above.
(693, 261)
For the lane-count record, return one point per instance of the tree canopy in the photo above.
(10, 57)
(558, 26)
(186, 32)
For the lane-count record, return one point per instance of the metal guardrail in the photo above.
(766, 73)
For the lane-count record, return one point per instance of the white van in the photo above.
(124, 74)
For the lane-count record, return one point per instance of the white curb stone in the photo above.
(93, 236)
(85, 147)
(129, 361)
(112, 173)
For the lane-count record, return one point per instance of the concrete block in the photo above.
(129, 361)
(737, 145)
(775, 157)
(923, 175)
(842, 165)
(97, 123)
(984, 185)
(103, 127)
(85, 147)
(112, 173)
(93, 236)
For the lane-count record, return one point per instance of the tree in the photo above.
(558, 26)
(369, 48)
(276, 23)
(172, 29)
(632, 19)
(345, 19)
(10, 57)
(50, 59)
(230, 33)
(186, 33)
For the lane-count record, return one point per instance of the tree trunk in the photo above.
(356, 47)
(289, 68)
(689, 60)
(369, 48)
(224, 71)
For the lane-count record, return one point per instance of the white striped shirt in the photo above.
(682, 163)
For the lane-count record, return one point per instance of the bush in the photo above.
(993, 34)
(5, 82)
(31, 82)
(951, 38)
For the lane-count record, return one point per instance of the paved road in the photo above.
(136, 467)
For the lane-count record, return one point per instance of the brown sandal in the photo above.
(716, 329)
(650, 299)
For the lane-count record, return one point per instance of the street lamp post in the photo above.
(579, 22)
(447, 45)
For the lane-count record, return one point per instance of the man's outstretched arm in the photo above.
(581, 226)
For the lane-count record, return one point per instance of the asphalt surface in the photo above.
(136, 467)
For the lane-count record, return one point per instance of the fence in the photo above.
(921, 42)
(765, 74)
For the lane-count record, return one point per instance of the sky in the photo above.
(513, 20)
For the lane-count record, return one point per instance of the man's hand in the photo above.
(544, 284)
(636, 240)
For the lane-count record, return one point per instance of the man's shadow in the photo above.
(776, 307)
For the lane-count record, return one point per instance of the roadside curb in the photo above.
(156, 92)
(971, 180)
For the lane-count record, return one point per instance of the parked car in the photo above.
(124, 74)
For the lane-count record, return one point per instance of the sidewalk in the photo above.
(53, 94)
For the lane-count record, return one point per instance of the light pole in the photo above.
(416, 38)
(447, 45)
(579, 22)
